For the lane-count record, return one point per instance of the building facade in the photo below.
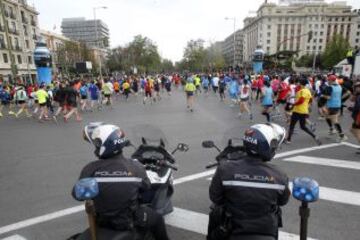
(94, 33)
(19, 31)
(228, 49)
(286, 27)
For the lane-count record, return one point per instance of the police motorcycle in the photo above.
(159, 164)
(304, 189)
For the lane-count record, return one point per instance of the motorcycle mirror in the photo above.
(86, 189)
(305, 189)
(208, 144)
(183, 147)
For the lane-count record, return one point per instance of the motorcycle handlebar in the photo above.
(170, 166)
(212, 165)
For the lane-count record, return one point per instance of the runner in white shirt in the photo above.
(245, 90)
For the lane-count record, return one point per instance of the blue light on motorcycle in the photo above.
(86, 189)
(305, 189)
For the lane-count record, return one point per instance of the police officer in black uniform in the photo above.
(247, 193)
(121, 183)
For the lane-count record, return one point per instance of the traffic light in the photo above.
(310, 35)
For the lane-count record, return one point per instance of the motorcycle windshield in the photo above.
(233, 135)
(232, 143)
(153, 135)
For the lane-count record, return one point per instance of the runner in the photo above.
(94, 96)
(148, 91)
(59, 97)
(301, 112)
(116, 89)
(355, 129)
(197, 82)
(126, 89)
(107, 90)
(42, 96)
(83, 96)
(205, 84)
(157, 83)
(245, 97)
(71, 102)
(215, 82)
(168, 85)
(190, 90)
(222, 87)
(21, 98)
(267, 100)
(290, 99)
(333, 94)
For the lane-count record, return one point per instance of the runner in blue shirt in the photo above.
(267, 101)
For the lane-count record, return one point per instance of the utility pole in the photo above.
(6, 27)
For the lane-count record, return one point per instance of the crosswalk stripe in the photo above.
(14, 237)
(324, 162)
(198, 222)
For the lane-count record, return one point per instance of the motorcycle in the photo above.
(159, 164)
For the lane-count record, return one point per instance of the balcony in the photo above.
(12, 15)
(24, 20)
(33, 22)
(13, 31)
(18, 48)
(2, 45)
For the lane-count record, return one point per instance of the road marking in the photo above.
(351, 145)
(41, 219)
(76, 209)
(194, 177)
(325, 162)
(14, 237)
(198, 222)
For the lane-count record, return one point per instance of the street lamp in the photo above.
(96, 36)
(234, 19)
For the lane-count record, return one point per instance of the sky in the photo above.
(169, 23)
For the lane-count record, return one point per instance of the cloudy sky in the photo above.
(169, 23)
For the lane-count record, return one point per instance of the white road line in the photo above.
(14, 237)
(309, 149)
(194, 177)
(325, 162)
(351, 145)
(41, 219)
(76, 209)
(198, 222)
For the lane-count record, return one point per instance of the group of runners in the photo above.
(289, 96)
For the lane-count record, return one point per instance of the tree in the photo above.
(167, 66)
(335, 51)
(194, 55)
(141, 53)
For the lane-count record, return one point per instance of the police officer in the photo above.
(247, 193)
(121, 183)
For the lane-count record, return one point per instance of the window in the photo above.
(321, 33)
(320, 40)
(358, 34)
(358, 26)
(27, 43)
(310, 25)
(336, 19)
(314, 40)
(25, 30)
(19, 59)
(269, 34)
(268, 41)
(5, 57)
(357, 40)
(320, 47)
(268, 26)
(308, 48)
(314, 47)
(268, 49)
(13, 26)
(29, 59)
(343, 19)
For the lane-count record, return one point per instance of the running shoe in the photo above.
(318, 142)
(287, 141)
(313, 127)
(55, 119)
(1, 114)
(332, 131)
(11, 113)
(343, 138)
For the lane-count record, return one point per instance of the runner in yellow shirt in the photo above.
(301, 111)
(42, 97)
(189, 90)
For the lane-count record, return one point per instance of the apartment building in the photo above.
(19, 31)
(228, 49)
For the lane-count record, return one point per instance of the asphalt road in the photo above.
(41, 161)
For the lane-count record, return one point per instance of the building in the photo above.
(19, 30)
(54, 42)
(94, 33)
(228, 49)
(286, 27)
